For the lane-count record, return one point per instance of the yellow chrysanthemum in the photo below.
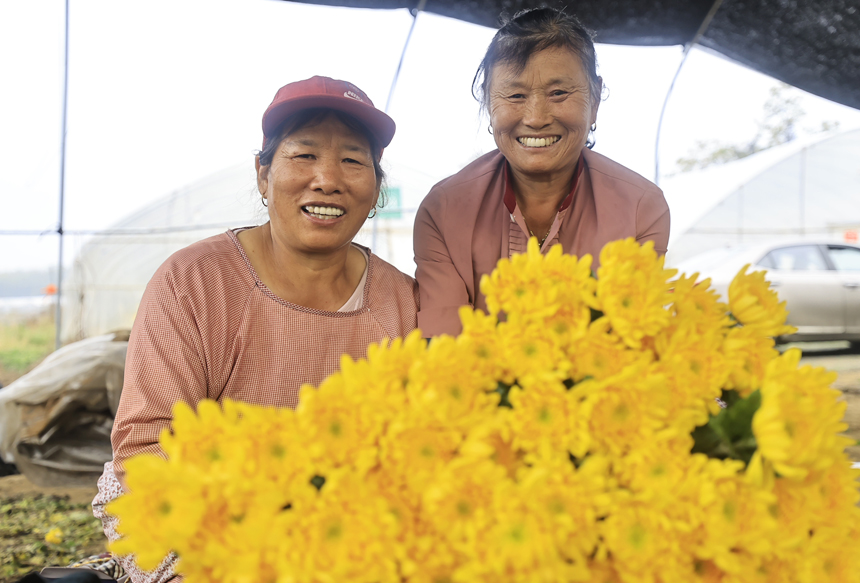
(410, 466)
(600, 354)
(446, 385)
(695, 373)
(643, 544)
(572, 500)
(388, 365)
(633, 290)
(773, 569)
(663, 473)
(747, 355)
(540, 416)
(800, 417)
(54, 536)
(415, 451)
(493, 440)
(831, 555)
(735, 516)
(830, 497)
(164, 508)
(339, 425)
(526, 349)
(202, 432)
(697, 303)
(622, 411)
(344, 532)
(427, 556)
(537, 287)
(479, 342)
(459, 501)
(517, 546)
(754, 304)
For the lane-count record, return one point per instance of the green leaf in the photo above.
(570, 383)
(729, 434)
(730, 397)
(737, 417)
(705, 439)
(504, 390)
(318, 482)
(595, 314)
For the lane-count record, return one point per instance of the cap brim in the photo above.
(377, 122)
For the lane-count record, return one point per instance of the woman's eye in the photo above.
(351, 161)
(305, 156)
(558, 93)
(517, 96)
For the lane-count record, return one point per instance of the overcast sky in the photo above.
(165, 92)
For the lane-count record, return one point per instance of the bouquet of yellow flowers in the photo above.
(624, 428)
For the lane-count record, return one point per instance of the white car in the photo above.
(819, 280)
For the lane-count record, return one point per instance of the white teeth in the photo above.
(538, 142)
(323, 212)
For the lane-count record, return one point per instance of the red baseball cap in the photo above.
(327, 93)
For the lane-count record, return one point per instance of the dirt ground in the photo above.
(44, 527)
(18, 486)
(846, 363)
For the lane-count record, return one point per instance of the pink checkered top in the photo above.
(208, 328)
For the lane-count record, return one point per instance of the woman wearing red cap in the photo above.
(255, 313)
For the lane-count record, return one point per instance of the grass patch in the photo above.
(24, 343)
(24, 523)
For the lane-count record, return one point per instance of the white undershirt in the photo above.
(356, 300)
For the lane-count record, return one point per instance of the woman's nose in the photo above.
(327, 177)
(536, 113)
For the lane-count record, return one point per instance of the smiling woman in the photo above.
(538, 82)
(253, 314)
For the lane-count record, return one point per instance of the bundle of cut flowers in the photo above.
(627, 427)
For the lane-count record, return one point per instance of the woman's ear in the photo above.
(595, 105)
(262, 176)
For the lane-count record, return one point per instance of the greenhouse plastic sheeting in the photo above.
(55, 421)
(809, 187)
(111, 271)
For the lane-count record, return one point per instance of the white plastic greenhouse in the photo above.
(808, 187)
(112, 269)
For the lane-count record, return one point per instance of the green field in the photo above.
(24, 343)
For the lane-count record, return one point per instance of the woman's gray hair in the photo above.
(531, 31)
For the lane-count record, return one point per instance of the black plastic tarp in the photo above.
(811, 44)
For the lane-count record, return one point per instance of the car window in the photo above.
(845, 258)
(799, 258)
(766, 262)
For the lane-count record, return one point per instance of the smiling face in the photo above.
(320, 187)
(542, 114)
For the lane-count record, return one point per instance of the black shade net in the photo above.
(811, 44)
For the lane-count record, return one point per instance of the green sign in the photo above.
(393, 204)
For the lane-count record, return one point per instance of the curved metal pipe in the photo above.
(702, 28)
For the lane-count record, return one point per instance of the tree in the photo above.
(779, 125)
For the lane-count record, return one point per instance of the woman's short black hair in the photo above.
(311, 117)
(531, 31)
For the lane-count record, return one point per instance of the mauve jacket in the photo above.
(462, 229)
